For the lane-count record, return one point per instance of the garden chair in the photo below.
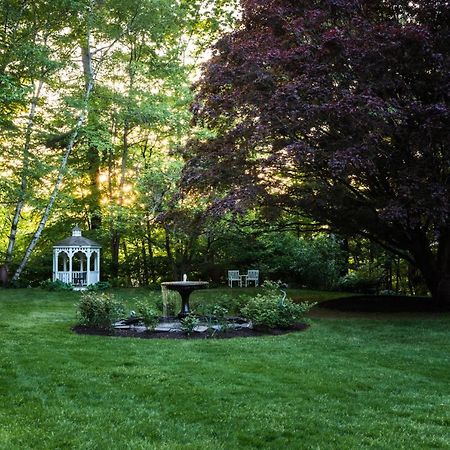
(233, 275)
(252, 275)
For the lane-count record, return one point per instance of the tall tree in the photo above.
(88, 72)
(33, 53)
(146, 84)
(59, 136)
(339, 109)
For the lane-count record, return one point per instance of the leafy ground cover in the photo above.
(344, 383)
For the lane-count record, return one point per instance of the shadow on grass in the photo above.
(80, 329)
(384, 304)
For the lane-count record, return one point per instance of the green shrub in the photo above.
(231, 302)
(362, 281)
(389, 292)
(316, 263)
(56, 285)
(270, 310)
(154, 287)
(99, 286)
(99, 310)
(147, 314)
(189, 323)
(220, 316)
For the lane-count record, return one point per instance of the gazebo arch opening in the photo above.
(79, 269)
(93, 262)
(63, 262)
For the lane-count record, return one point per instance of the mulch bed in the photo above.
(81, 329)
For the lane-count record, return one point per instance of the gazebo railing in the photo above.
(77, 278)
(63, 276)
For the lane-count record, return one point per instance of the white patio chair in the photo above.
(252, 275)
(233, 275)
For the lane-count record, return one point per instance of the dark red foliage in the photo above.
(338, 108)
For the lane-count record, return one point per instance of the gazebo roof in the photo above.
(76, 240)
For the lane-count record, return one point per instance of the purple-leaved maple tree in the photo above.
(338, 108)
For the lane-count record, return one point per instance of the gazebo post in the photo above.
(70, 268)
(55, 264)
(88, 267)
(97, 264)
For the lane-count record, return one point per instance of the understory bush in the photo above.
(56, 285)
(231, 302)
(189, 323)
(99, 286)
(99, 310)
(148, 314)
(362, 281)
(271, 310)
(217, 319)
(315, 263)
(220, 315)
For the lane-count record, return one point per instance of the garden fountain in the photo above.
(209, 324)
(184, 288)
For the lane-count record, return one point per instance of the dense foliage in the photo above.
(94, 95)
(99, 310)
(56, 285)
(339, 109)
(301, 112)
(148, 314)
(271, 310)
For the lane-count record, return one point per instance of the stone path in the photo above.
(174, 326)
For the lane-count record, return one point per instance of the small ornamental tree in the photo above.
(339, 109)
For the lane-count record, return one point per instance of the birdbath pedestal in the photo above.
(184, 288)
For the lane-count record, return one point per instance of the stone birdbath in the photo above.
(184, 288)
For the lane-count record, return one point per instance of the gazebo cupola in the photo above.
(76, 260)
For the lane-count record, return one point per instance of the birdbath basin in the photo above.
(185, 288)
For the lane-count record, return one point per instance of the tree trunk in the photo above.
(435, 269)
(443, 287)
(145, 271)
(95, 217)
(89, 85)
(169, 253)
(345, 247)
(397, 275)
(150, 251)
(46, 215)
(23, 182)
(115, 244)
(127, 264)
(443, 291)
(115, 250)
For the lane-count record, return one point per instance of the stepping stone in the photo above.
(200, 328)
(238, 326)
(168, 326)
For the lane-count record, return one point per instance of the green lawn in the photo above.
(345, 383)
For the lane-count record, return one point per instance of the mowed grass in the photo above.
(343, 383)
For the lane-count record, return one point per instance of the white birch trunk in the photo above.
(24, 177)
(89, 80)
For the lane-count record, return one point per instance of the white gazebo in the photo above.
(76, 260)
